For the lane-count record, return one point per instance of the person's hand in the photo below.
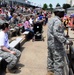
(12, 52)
(69, 42)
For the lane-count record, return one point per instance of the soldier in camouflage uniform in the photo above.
(11, 55)
(56, 39)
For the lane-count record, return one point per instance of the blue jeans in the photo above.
(29, 30)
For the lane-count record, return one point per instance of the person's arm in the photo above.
(2, 47)
(7, 50)
(58, 34)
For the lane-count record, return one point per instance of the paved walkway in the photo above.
(33, 60)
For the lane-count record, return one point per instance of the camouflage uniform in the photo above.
(55, 61)
(11, 59)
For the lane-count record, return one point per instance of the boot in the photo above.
(50, 73)
(10, 71)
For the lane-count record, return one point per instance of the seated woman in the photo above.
(27, 27)
(11, 55)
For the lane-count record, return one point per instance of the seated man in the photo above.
(11, 55)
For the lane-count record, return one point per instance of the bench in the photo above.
(26, 33)
(16, 43)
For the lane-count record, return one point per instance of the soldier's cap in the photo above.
(60, 9)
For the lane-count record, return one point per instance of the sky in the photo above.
(53, 2)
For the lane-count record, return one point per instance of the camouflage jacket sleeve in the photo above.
(58, 31)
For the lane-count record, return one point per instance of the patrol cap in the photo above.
(60, 9)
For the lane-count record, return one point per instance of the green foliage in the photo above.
(57, 5)
(50, 5)
(65, 6)
(45, 6)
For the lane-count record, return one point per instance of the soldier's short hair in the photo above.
(4, 25)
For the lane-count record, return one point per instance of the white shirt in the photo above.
(4, 39)
(31, 21)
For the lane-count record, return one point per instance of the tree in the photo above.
(51, 7)
(45, 6)
(57, 5)
(65, 6)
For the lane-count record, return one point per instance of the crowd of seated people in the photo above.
(16, 16)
